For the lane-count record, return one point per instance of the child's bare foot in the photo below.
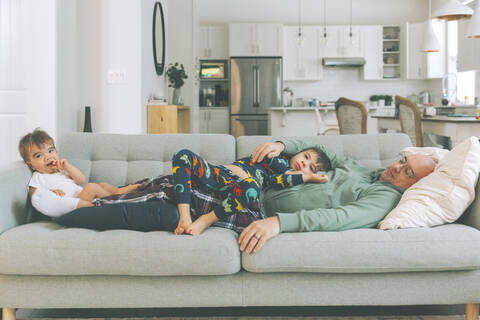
(202, 223)
(183, 224)
(127, 189)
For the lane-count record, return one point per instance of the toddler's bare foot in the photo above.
(127, 189)
(202, 223)
(183, 224)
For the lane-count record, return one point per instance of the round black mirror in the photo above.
(158, 38)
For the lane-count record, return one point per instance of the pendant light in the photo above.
(430, 41)
(324, 38)
(452, 10)
(350, 33)
(300, 35)
(473, 30)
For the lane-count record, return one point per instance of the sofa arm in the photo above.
(471, 216)
(14, 180)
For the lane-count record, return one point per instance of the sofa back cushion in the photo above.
(370, 150)
(121, 159)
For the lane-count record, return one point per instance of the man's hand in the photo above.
(267, 149)
(257, 233)
(315, 178)
(58, 192)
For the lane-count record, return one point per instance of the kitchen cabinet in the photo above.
(213, 42)
(302, 63)
(255, 39)
(214, 120)
(373, 44)
(468, 50)
(421, 65)
(340, 44)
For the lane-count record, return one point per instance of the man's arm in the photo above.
(363, 213)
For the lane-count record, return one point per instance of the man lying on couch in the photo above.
(355, 197)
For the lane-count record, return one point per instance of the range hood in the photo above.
(343, 62)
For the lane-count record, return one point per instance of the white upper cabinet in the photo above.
(372, 44)
(213, 42)
(248, 39)
(468, 50)
(302, 62)
(340, 44)
(421, 65)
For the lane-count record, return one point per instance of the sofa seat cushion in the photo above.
(45, 248)
(446, 247)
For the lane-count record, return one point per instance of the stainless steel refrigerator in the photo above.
(255, 86)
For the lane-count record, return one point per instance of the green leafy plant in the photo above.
(374, 98)
(176, 74)
(388, 100)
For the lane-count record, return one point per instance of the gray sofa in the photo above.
(44, 265)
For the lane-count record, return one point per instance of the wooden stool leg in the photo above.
(8, 314)
(471, 311)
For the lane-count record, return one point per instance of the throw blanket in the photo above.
(161, 188)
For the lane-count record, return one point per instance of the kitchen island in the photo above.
(295, 121)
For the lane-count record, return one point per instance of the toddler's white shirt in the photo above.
(48, 202)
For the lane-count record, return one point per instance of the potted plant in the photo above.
(374, 100)
(381, 101)
(176, 74)
(388, 100)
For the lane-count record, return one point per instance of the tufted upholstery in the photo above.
(121, 159)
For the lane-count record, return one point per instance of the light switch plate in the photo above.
(116, 76)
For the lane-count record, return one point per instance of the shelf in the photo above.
(391, 52)
(393, 40)
(391, 65)
(212, 79)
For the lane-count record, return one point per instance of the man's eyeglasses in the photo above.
(407, 169)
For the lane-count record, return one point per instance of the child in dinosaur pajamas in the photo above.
(242, 181)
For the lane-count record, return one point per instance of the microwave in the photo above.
(213, 69)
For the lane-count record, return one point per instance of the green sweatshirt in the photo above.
(354, 197)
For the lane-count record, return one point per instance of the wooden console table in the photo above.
(168, 119)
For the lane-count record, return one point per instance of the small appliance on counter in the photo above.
(424, 97)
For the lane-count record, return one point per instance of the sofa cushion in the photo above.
(446, 247)
(45, 248)
(120, 159)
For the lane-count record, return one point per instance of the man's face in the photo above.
(305, 161)
(408, 170)
(43, 159)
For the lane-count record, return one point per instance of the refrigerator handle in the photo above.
(255, 93)
(257, 89)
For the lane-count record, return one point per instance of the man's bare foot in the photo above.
(183, 224)
(127, 189)
(202, 223)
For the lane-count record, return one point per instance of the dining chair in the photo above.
(410, 119)
(323, 127)
(351, 116)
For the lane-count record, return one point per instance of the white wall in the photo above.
(182, 47)
(338, 11)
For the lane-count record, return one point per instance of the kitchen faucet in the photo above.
(449, 93)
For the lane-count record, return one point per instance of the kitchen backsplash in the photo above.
(346, 83)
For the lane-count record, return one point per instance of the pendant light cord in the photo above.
(351, 15)
(299, 18)
(325, 19)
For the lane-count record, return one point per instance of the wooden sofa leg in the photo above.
(471, 311)
(8, 314)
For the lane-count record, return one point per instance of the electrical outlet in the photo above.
(116, 76)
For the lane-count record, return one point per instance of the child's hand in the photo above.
(316, 178)
(62, 164)
(58, 192)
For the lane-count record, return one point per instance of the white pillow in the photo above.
(442, 196)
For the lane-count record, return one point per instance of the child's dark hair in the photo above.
(323, 160)
(38, 138)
